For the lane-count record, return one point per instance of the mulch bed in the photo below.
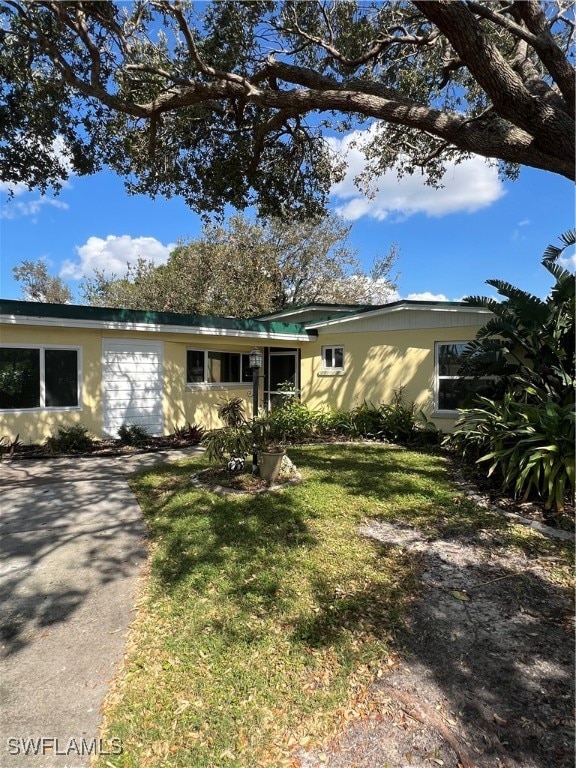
(104, 448)
(222, 480)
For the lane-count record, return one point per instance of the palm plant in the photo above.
(529, 342)
(528, 433)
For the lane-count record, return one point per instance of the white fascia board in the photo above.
(388, 310)
(301, 310)
(109, 325)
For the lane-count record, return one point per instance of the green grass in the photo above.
(265, 616)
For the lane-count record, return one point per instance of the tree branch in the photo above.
(550, 53)
(374, 49)
(492, 71)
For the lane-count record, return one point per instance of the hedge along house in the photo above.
(61, 364)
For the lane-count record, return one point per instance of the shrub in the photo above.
(366, 421)
(399, 421)
(530, 445)
(235, 440)
(528, 343)
(232, 412)
(191, 433)
(232, 442)
(336, 423)
(292, 421)
(134, 435)
(73, 438)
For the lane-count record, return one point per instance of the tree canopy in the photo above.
(229, 102)
(38, 285)
(243, 269)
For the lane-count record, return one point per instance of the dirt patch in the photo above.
(487, 680)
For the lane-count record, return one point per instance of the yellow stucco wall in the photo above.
(197, 405)
(35, 425)
(375, 365)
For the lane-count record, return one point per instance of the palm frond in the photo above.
(479, 301)
(553, 252)
(517, 295)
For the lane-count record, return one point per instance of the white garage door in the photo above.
(132, 385)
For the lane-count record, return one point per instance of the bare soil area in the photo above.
(488, 678)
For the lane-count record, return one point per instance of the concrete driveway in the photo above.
(72, 544)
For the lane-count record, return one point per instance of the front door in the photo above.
(282, 375)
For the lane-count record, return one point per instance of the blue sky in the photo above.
(450, 240)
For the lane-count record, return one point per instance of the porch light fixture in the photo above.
(256, 361)
(256, 358)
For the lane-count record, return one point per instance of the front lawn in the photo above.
(264, 617)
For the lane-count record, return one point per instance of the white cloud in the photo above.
(468, 186)
(31, 206)
(13, 188)
(17, 208)
(517, 234)
(427, 296)
(568, 262)
(113, 254)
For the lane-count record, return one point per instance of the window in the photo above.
(333, 359)
(207, 367)
(452, 390)
(39, 377)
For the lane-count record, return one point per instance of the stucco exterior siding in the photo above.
(35, 425)
(180, 403)
(375, 365)
(385, 349)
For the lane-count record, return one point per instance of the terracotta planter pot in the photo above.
(270, 464)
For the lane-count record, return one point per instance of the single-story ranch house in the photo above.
(61, 364)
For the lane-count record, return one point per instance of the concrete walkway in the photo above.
(72, 543)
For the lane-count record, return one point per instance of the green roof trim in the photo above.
(107, 314)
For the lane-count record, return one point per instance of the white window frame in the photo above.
(332, 370)
(43, 407)
(195, 385)
(438, 378)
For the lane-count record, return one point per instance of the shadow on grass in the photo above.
(414, 487)
(373, 609)
(243, 543)
(483, 654)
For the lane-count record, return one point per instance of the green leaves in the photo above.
(529, 343)
(531, 446)
(271, 264)
(219, 102)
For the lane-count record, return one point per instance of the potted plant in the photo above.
(270, 441)
(264, 435)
